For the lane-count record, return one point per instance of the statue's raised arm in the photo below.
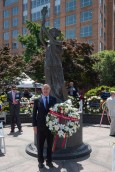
(44, 11)
(53, 33)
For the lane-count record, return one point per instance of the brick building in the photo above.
(86, 20)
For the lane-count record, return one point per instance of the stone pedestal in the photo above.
(75, 147)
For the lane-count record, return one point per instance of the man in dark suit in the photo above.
(40, 111)
(13, 97)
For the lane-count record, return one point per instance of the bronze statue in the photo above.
(53, 65)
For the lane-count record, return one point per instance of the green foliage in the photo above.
(31, 41)
(106, 67)
(96, 91)
(11, 66)
(35, 68)
(78, 63)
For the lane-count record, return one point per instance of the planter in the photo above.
(94, 119)
(25, 118)
(87, 118)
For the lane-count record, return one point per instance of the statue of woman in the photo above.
(53, 65)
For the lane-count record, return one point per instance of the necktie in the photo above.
(14, 96)
(46, 103)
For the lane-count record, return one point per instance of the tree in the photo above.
(35, 68)
(78, 63)
(31, 41)
(10, 67)
(106, 67)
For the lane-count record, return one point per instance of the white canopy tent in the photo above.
(26, 82)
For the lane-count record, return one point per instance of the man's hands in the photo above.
(35, 130)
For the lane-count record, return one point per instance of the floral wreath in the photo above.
(93, 108)
(63, 120)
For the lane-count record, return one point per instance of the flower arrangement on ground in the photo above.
(4, 106)
(75, 101)
(63, 120)
(92, 105)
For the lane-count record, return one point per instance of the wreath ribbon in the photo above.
(61, 116)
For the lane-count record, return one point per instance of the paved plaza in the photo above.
(17, 160)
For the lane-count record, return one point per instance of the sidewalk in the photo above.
(100, 159)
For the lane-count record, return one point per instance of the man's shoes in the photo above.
(112, 135)
(49, 164)
(12, 131)
(20, 130)
(40, 165)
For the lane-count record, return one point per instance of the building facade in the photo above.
(91, 21)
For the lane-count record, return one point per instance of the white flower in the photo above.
(56, 127)
(68, 101)
(66, 128)
(66, 110)
(61, 133)
(61, 126)
(47, 118)
(50, 127)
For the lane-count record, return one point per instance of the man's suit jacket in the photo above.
(10, 98)
(40, 112)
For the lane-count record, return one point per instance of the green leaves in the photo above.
(10, 67)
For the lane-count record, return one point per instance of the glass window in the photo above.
(101, 18)
(101, 32)
(9, 2)
(105, 8)
(101, 46)
(57, 10)
(24, 31)
(14, 45)
(71, 33)
(6, 13)
(14, 33)
(70, 20)
(57, 23)
(86, 15)
(37, 3)
(24, 19)
(36, 16)
(101, 2)
(15, 22)
(71, 5)
(84, 3)
(14, 11)
(25, 7)
(86, 31)
(47, 23)
(104, 22)
(6, 24)
(104, 36)
(89, 41)
(6, 36)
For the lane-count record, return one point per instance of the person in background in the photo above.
(13, 97)
(105, 93)
(72, 91)
(40, 111)
(27, 94)
(110, 103)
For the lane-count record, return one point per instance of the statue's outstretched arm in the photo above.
(41, 36)
(44, 30)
